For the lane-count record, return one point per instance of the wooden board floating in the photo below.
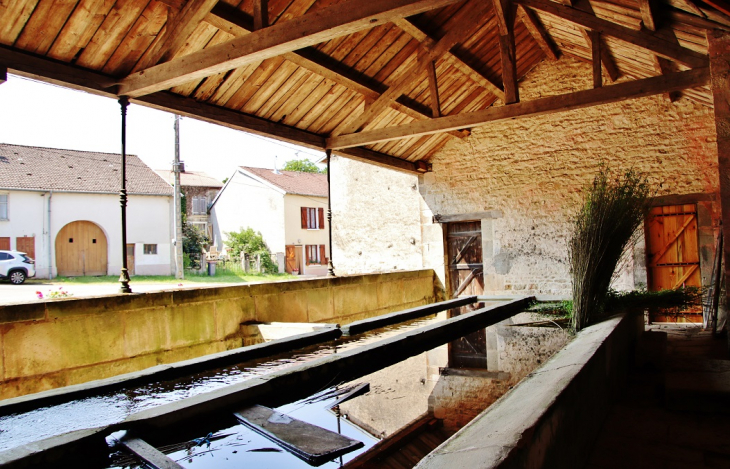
(313, 444)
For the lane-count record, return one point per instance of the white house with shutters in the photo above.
(286, 207)
(62, 208)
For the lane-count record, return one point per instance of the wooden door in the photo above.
(466, 278)
(291, 259)
(81, 249)
(26, 244)
(130, 259)
(4, 244)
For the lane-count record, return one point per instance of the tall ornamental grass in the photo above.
(613, 209)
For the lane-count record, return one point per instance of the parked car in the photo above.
(16, 266)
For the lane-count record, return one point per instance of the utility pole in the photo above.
(177, 211)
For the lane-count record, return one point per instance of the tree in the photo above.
(250, 241)
(303, 166)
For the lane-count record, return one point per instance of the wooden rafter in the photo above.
(647, 16)
(643, 39)
(505, 20)
(429, 53)
(260, 14)
(176, 33)
(407, 26)
(434, 90)
(663, 67)
(236, 23)
(581, 99)
(609, 65)
(71, 77)
(538, 32)
(595, 41)
(319, 26)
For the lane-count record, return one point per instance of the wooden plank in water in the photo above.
(149, 454)
(311, 443)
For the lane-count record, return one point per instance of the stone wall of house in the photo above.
(375, 218)
(533, 171)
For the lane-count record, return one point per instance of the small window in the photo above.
(200, 205)
(150, 249)
(3, 206)
(316, 254)
(312, 218)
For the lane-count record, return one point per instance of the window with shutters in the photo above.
(312, 218)
(3, 206)
(315, 254)
(200, 205)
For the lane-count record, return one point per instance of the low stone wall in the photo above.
(552, 417)
(56, 343)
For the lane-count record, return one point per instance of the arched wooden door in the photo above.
(81, 249)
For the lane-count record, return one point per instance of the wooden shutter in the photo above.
(26, 244)
(322, 254)
(321, 218)
(304, 218)
(4, 244)
(306, 254)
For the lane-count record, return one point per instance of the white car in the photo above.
(16, 266)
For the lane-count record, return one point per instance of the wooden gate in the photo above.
(26, 244)
(672, 256)
(466, 278)
(81, 249)
(4, 244)
(292, 263)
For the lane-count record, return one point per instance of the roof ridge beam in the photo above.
(565, 102)
(643, 39)
(309, 29)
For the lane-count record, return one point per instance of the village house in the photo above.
(61, 207)
(287, 207)
(199, 190)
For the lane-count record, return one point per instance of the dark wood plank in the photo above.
(306, 441)
(577, 100)
(313, 28)
(149, 454)
(260, 14)
(503, 12)
(595, 38)
(434, 89)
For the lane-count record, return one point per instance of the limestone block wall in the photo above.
(533, 171)
(375, 218)
(56, 343)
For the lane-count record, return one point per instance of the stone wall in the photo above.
(56, 343)
(375, 216)
(533, 171)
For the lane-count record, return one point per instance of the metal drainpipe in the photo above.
(50, 239)
(330, 265)
(124, 275)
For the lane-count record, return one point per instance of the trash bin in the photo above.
(211, 268)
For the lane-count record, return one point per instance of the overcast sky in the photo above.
(39, 114)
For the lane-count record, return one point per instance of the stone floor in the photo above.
(675, 411)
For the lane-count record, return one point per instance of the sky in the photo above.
(39, 114)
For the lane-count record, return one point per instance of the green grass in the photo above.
(220, 277)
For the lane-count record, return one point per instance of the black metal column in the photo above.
(330, 265)
(124, 276)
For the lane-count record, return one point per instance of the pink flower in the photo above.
(179, 284)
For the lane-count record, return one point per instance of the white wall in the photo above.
(246, 203)
(148, 222)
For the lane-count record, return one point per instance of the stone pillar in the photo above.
(719, 42)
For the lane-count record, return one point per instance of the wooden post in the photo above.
(596, 54)
(719, 42)
(258, 263)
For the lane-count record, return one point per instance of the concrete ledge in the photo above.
(552, 417)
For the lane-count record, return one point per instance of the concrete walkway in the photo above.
(671, 415)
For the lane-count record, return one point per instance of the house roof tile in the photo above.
(190, 178)
(293, 182)
(26, 167)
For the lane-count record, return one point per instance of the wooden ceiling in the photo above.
(387, 81)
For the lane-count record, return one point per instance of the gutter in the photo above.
(50, 247)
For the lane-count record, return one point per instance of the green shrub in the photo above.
(250, 241)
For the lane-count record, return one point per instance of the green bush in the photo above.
(250, 241)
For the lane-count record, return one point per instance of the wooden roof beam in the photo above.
(433, 89)
(643, 39)
(595, 42)
(344, 18)
(235, 22)
(417, 34)
(566, 102)
(505, 20)
(68, 76)
(429, 52)
(260, 14)
(663, 67)
(647, 17)
(176, 33)
(612, 71)
(538, 32)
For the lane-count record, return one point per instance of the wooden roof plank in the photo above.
(338, 20)
(642, 39)
(577, 100)
(44, 25)
(538, 32)
(13, 18)
(79, 29)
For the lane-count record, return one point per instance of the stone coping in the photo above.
(552, 416)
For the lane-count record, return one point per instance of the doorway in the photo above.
(293, 259)
(81, 249)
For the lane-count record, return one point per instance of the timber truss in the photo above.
(389, 82)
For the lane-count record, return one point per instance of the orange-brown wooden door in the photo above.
(672, 254)
(4, 243)
(26, 244)
(466, 278)
(291, 259)
(81, 249)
